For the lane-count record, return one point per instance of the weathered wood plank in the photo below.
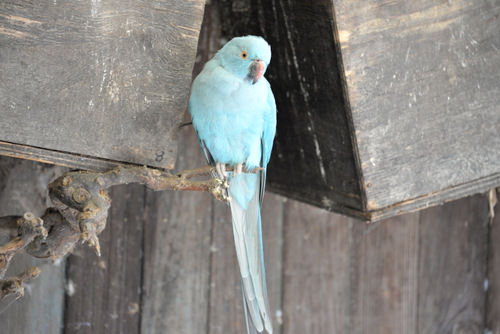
(452, 267)
(226, 313)
(493, 282)
(98, 79)
(23, 187)
(422, 84)
(273, 209)
(56, 158)
(104, 293)
(316, 262)
(177, 252)
(384, 276)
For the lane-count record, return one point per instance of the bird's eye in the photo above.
(244, 55)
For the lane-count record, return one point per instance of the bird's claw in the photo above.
(238, 169)
(220, 168)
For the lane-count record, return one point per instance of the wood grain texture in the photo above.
(273, 235)
(452, 267)
(384, 276)
(105, 292)
(493, 278)
(23, 187)
(423, 91)
(226, 313)
(177, 253)
(100, 79)
(316, 262)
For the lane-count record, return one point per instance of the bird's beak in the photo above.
(257, 70)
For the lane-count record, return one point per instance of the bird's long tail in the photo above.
(244, 190)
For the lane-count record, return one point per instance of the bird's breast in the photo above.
(232, 124)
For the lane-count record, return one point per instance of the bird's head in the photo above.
(246, 57)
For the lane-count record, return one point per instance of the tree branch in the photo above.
(81, 207)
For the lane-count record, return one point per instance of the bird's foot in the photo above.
(238, 169)
(220, 168)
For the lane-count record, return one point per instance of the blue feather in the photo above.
(234, 116)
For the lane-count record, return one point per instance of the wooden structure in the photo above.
(96, 83)
(168, 263)
(168, 266)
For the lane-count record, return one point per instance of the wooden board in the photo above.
(177, 253)
(104, 293)
(417, 273)
(316, 269)
(102, 81)
(492, 282)
(452, 265)
(423, 92)
(384, 276)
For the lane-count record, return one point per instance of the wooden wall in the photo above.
(168, 266)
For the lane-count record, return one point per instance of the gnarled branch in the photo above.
(81, 207)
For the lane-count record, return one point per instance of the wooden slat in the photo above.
(23, 187)
(105, 292)
(493, 278)
(452, 267)
(177, 252)
(384, 276)
(108, 80)
(226, 313)
(316, 259)
(273, 209)
(55, 157)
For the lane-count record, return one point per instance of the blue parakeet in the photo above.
(234, 115)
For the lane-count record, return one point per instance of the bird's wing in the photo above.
(267, 139)
(206, 152)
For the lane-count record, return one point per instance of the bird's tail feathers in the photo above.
(247, 230)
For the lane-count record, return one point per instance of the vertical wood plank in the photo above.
(177, 253)
(493, 283)
(226, 306)
(384, 273)
(23, 187)
(316, 270)
(104, 292)
(273, 238)
(452, 267)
